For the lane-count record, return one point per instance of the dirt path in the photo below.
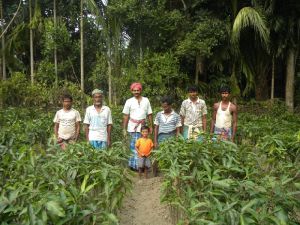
(143, 206)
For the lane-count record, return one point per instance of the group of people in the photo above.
(191, 122)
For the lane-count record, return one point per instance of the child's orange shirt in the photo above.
(144, 146)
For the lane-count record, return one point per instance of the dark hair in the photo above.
(224, 88)
(192, 88)
(66, 96)
(144, 127)
(167, 99)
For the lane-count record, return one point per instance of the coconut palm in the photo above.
(253, 48)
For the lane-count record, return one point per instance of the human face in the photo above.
(167, 108)
(97, 98)
(67, 103)
(136, 92)
(145, 133)
(193, 95)
(225, 95)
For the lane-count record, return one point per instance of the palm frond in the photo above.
(250, 17)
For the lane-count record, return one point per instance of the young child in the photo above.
(66, 123)
(144, 146)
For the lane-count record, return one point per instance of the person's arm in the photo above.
(137, 144)
(86, 130)
(204, 122)
(213, 119)
(178, 131)
(77, 130)
(234, 122)
(182, 116)
(156, 136)
(150, 119)
(178, 126)
(56, 126)
(125, 123)
(109, 127)
(204, 113)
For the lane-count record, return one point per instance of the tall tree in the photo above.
(253, 48)
(81, 49)
(31, 43)
(3, 58)
(55, 47)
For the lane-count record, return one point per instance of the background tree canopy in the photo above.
(251, 45)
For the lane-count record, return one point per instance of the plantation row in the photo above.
(41, 184)
(256, 182)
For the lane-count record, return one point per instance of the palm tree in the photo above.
(31, 44)
(55, 49)
(253, 49)
(3, 59)
(81, 48)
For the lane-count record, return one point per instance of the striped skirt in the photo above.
(133, 160)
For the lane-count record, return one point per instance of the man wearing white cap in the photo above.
(98, 122)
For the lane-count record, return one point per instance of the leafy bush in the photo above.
(18, 91)
(221, 183)
(76, 186)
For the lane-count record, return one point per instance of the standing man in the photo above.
(66, 123)
(98, 122)
(193, 115)
(135, 111)
(167, 122)
(224, 119)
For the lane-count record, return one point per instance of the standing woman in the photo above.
(136, 110)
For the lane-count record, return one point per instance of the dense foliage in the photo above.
(166, 44)
(41, 184)
(256, 182)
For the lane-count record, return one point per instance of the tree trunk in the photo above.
(140, 43)
(199, 70)
(261, 88)
(55, 49)
(109, 68)
(81, 49)
(31, 45)
(3, 59)
(290, 79)
(273, 78)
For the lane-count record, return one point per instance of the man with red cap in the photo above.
(136, 110)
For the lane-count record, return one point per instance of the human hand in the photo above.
(124, 133)
(150, 130)
(155, 145)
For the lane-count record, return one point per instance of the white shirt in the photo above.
(66, 120)
(136, 111)
(97, 122)
(223, 117)
(193, 112)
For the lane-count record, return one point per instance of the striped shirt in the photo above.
(193, 112)
(167, 123)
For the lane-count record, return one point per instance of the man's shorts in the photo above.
(99, 144)
(144, 162)
(63, 142)
(223, 133)
(192, 133)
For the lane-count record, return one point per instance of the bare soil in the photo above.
(143, 206)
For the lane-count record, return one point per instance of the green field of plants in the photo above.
(255, 181)
(41, 184)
